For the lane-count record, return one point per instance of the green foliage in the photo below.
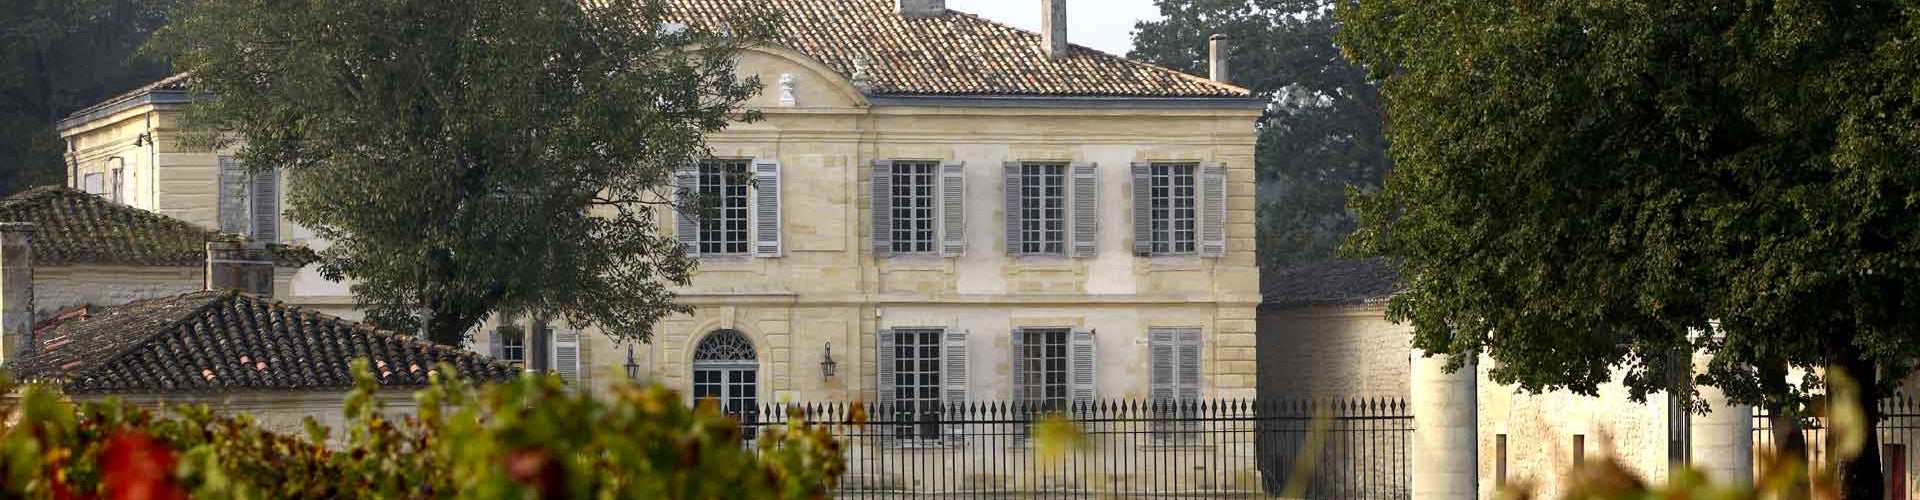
(465, 157)
(1323, 132)
(1583, 187)
(56, 57)
(506, 441)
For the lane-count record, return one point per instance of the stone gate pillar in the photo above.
(1445, 459)
(16, 288)
(1722, 442)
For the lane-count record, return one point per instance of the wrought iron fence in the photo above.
(1898, 428)
(1310, 449)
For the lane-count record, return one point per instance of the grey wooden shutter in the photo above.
(1020, 366)
(1188, 389)
(954, 361)
(1081, 361)
(566, 354)
(953, 209)
(232, 206)
(882, 182)
(766, 208)
(1161, 353)
(884, 379)
(265, 205)
(1012, 202)
(1213, 210)
(1142, 208)
(496, 346)
(1086, 209)
(686, 226)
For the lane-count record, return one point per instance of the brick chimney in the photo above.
(16, 288)
(920, 8)
(1053, 28)
(237, 266)
(1217, 50)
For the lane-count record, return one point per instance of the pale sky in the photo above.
(1106, 25)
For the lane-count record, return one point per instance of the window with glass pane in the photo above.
(916, 383)
(723, 185)
(1043, 208)
(1172, 191)
(913, 198)
(1043, 362)
(513, 345)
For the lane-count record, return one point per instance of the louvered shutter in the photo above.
(884, 378)
(1142, 209)
(1086, 209)
(232, 205)
(566, 354)
(496, 346)
(766, 208)
(1081, 362)
(1012, 202)
(953, 209)
(881, 179)
(1213, 210)
(1189, 365)
(1162, 354)
(1020, 366)
(954, 377)
(265, 206)
(687, 223)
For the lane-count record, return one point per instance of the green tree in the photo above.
(1321, 135)
(56, 57)
(1582, 188)
(465, 157)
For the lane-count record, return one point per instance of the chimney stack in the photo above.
(1053, 28)
(237, 266)
(16, 288)
(920, 8)
(1217, 50)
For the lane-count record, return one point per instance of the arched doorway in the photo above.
(726, 369)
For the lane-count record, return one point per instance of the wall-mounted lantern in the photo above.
(633, 369)
(826, 363)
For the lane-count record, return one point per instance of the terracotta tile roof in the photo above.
(1335, 282)
(950, 54)
(224, 342)
(72, 227)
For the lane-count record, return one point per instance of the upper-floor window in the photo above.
(93, 184)
(723, 186)
(919, 207)
(1179, 208)
(1043, 208)
(913, 201)
(729, 207)
(249, 200)
(1173, 208)
(1052, 208)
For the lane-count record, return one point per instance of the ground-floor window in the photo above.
(1042, 376)
(916, 383)
(727, 371)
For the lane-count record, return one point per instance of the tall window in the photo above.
(1043, 360)
(912, 202)
(119, 186)
(916, 385)
(726, 370)
(724, 184)
(1043, 208)
(1172, 194)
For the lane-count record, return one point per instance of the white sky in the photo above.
(1106, 25)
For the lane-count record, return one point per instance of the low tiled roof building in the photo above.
(1324, 333)
(228, 342)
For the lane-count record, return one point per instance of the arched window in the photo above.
(726, 369)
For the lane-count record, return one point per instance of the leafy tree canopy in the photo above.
(56, 57)
(1321, 135)
(1581, 188)
(464, 157)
